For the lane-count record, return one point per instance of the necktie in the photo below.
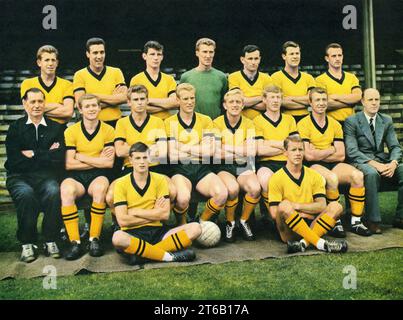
(371, 126)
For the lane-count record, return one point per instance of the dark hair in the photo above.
(288, 44)
(332, 45)
(153, 45)
(33, 90)
(316, 90)
(138, 88)
(138, 147)
(292, 138)
(248, 49)
(93, 41)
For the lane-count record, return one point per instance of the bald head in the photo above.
(371, 101)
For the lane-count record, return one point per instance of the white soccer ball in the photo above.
(210, 235)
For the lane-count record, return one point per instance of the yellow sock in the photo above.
(210, 209)
(97, 219)
(356, 196)
(180, 216)
(70, 219)
(230, 208)
(249, 205)
(265, 196)
(144, 249)
(332, 195)
(175, 242)
(323, 225)
(299, 226)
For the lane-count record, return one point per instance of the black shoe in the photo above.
(246, 231)
(295, 246)
(184, 255)
(337, 231)
(360, 229)
(134, 260)
(336, 246)
(74, 251)
(95, 248)
(230, 232)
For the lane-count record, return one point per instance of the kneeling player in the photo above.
(235, 145)
(298, 201)
(141, 201)
(89, 157)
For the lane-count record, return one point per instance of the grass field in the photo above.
(379, 276)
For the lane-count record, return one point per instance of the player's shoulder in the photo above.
(306, 75)
(311, 174)
(166, 76)
(322, 77)
(203, 117)
(219, 120)
(172, 118)
(277, 74)
(63, 81)
(124, 180)
(29, 81)
(73, 128)
(234, 75)
(113, 69)
(333, 122)
(287, 117)
(106, 127)
(264, 75)
(156, 121)
(158, 177)
(247, 122)
(81, 72)
(304, 121)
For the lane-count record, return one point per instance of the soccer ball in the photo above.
(210, 235)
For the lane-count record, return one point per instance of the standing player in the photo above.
(294, 83)
(325, 153)
(191, 146)
(250, 81)
(106, 82)
(342, 87)
(272, 127)
(297, 199)
(141, 204)
(58, 92)
(89, 157)
(210, 83)
(161, 87)
(235, 146)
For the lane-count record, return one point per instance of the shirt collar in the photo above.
(43, 122)
(368, 117)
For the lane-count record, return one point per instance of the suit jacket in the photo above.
(360, 144)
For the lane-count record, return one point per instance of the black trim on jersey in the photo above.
(319, 195)
(71, 148)
(292, 133)
(161, 139)
(121, 203)
(120, 139)
(321, 130)
(296, 181)
(259, 138)
(339, 81)
(44, 86)
(170, 92)
(109, 144)
(156, 82)
(93, 135)
(69, 97)
(355, 87)
(338, 139)
(251, 82)
(78, 89)
(140, 191)
(97, 76)
(273, 123)
(184, 125)
(274, 203)
(135, 126)
(120, 84)
(294, 80)
(228, 125)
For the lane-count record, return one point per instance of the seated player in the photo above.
(325, 153)
(141, 202)
(191, 146)
(272, 128)
(140, 126)
(235, 146)
(89, 158)
(298, 201)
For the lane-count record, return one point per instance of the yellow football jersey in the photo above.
(150, 132)
(178, 130)
(77, 138)
(250, 88)
(59, 90)
(279, 130)
(321, 138)
(104, 83)
(127, 192)
(162, 88)
(298, 86)
(283, 186)
(345, 85)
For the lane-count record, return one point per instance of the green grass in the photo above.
(379, 276)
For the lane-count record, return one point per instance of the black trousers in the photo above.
(34, 193)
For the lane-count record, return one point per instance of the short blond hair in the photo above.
(87, 97)
(48, 49)
(233, 92)
(271, 88)
(184, 87)
(319, 90)
(205, 41)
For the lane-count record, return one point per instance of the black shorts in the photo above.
(235, 169)
(85, 177)
(150, 234)
(328, 165)
(272, 165)
(308, 221)
(194, 172)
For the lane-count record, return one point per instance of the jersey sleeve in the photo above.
(303, 131)
(162, 188)
(119, 78)
(208, 127)
(68, 91)
(232, 81)
(267, 80)
(171, 86)
(293, 127)
(320, 82)
(338, 132)
(109, 137)
(24, 88)
(311, 83)
(169, 132)
(70, 140)
(119, 194)
(275, 191)
(120, 132)
(355, 83)
(78, 82)
(318, 188)
(250, 131)
(258, 130)
(159, 132)
(217, 130)
(275, 77)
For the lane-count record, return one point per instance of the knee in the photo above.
(100, 189)
(172, 192)
(220, 195)
(67, 191)
(109, 197)
(119, 239)
(335, 210)
(285, 208)
(182, 200)
(332, 182)
(194, 230)
(233, 190)
(357, 177)
(254, 190)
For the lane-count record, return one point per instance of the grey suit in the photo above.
(361, 148)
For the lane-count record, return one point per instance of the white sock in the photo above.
(321, 244)
(355, 220)
(167, 257)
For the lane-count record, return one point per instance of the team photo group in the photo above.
(283, 145)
